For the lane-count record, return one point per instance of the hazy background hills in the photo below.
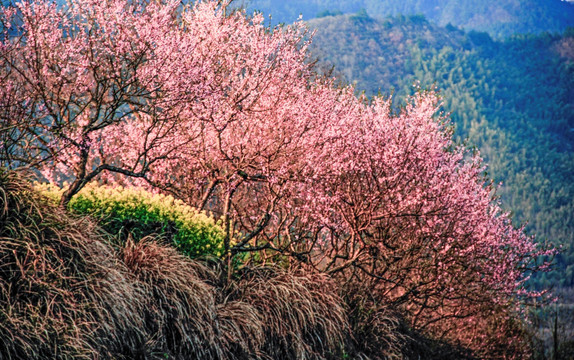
(507, 79)
(498, 17)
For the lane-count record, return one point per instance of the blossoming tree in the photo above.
(229, 116)
(73, 73)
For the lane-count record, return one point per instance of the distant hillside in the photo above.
(513, 99)
(500, 18)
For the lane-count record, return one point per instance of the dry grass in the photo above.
(381, 332)
(242, 330)
(180, 308)
(302, 314)
(65, 293)
(60, 294)
(376, 328)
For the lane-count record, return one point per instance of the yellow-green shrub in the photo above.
(121, 210)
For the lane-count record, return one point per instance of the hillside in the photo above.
(499, 18)
(512, 99)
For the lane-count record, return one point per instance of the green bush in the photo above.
(137, 212)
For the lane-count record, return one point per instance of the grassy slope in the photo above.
(67, 293)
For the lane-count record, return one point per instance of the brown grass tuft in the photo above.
(376, 328)
(180, 308)
(302, 314)
(58, 287)
(242, 330)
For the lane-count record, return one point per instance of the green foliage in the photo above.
(138, 212)
(361, 16)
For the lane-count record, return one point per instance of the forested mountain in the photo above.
(498, 17)
(512, 99)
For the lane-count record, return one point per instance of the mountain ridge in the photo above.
(500, 18)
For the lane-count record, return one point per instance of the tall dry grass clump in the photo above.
(242, 330)
(62, 294)
(180, 309)
(302, 314)
(380, 331)
(377, 331)
(266, 313)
